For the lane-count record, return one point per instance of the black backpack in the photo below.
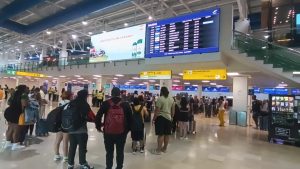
(9, 114)
(71, 119)
(54, 119)
(137, 119)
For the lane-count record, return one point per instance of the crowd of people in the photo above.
(118, 115)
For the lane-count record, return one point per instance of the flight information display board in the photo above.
(194, 33)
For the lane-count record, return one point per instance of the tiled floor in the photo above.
(212, 147)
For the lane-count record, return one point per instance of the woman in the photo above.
(80, 137)
(62, 136)
(137, 129)
(183, 118)
(221, 111)
(164, 112)
(12, 114)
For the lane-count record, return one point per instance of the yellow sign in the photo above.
(212, 74)
(164, 74)
(30, 74)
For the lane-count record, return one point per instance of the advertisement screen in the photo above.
(128, 43)
(194, 33)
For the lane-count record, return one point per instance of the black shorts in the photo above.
(163, 126)
(137, 135)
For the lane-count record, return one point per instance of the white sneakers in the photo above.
(16, 147)
(59, 157)
(7, 145)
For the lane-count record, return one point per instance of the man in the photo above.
(100, 98)
(256, 105)
(117, 122)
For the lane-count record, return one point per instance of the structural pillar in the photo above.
(166, 83)
(199, 91)
(240, 93)
(63, 53)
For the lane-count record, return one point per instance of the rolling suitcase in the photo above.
(264, 123)
(41, 128)
(242, 119)
(233, 118)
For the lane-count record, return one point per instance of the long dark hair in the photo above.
(16, 98)
(164, 92)
(183, 103)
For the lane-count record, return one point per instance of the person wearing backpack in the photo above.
(12, 115)
(117, 124)
(137, 127)
(164, 112)
(256, 110)
(62, 136)
(74, 121)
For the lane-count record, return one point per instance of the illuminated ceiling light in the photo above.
(266, 36)
(84, 23)
(49, 76)
(32, 46)
(48, 33)
(18, 49)
(264, 47)
(119, 75)
(152, 81)
(97, 75)
(62, 76)
(80, 78)
(176, 81)
(213, 84)
(180, 74)
(195, 85)
(77, 75)
(20, 41)
(233, 74)
(187, 83)
(60, 41)
(85, 80)
(125, 24)
(296, 73)
(157, 84)
(219, 86)
(277, 8)
(150, 18)
(95, 78)
(103, 31)
(145, 82)
(116, 78)
(90, 33)
(136, 78)
(55, 78)
(141, 84)
(74, 36)
(131, 80)
(205, 81)
(286, 21)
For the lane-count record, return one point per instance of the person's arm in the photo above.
(99, 116)
(173, 110)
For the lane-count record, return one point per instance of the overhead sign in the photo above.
(18, 73)
(164, 74)
(215, 89)
(212, 74)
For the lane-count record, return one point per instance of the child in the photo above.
(183, 118)
(137, 127)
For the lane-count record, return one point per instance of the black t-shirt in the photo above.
(183, 115)
(256, 106)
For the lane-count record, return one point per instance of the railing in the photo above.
(270, 53)
(62, 63)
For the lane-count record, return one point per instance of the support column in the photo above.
(166, 83)
(100, 83)
(63, 53)
(240, 94)
(199, 92)
(43, 54)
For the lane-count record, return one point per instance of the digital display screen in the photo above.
(295, 91)
(194, 33)
(298, 23)
(277, 91)
(215, 89)
(127, 43)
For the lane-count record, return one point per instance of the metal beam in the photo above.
(142, 9)
(185, 5)
(169, 8)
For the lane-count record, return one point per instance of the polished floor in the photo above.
(229, 147)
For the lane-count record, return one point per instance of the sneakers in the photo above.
(133, 152)
(70, 166)
(155, 152)
(8, 144)
(86, 166)
(16, 147)
(142, 150)
(57, 158)
(66, 159)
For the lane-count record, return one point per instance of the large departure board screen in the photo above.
(194, 33)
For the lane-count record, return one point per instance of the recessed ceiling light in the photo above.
(136, 78)
(80, 78)
(150, 18)
(60, 41)
(95, 78)
(233, 74)
(157, 84)
(74, 36)
(90, 33)
(55, 78)
(62, 76)
(49, 76)
(84, 23)
(219, 86)
(119, 75)
(125, 24)
(48, 32)
(86, 80)
(77, 75)
(32, 46)
(213, 84)
(195, 85)
(97, 75)
(205, 81)
(176, 81)
(180, 74)
(131, 80)
(187, 83)
(116, 78)
(152, 81)
(141, 84)
(20, 41)
(103, 31)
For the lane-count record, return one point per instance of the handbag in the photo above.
(91, 116)
(21, 119)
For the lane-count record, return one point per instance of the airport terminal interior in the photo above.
(219, 80)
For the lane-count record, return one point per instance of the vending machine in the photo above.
(284, 118)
